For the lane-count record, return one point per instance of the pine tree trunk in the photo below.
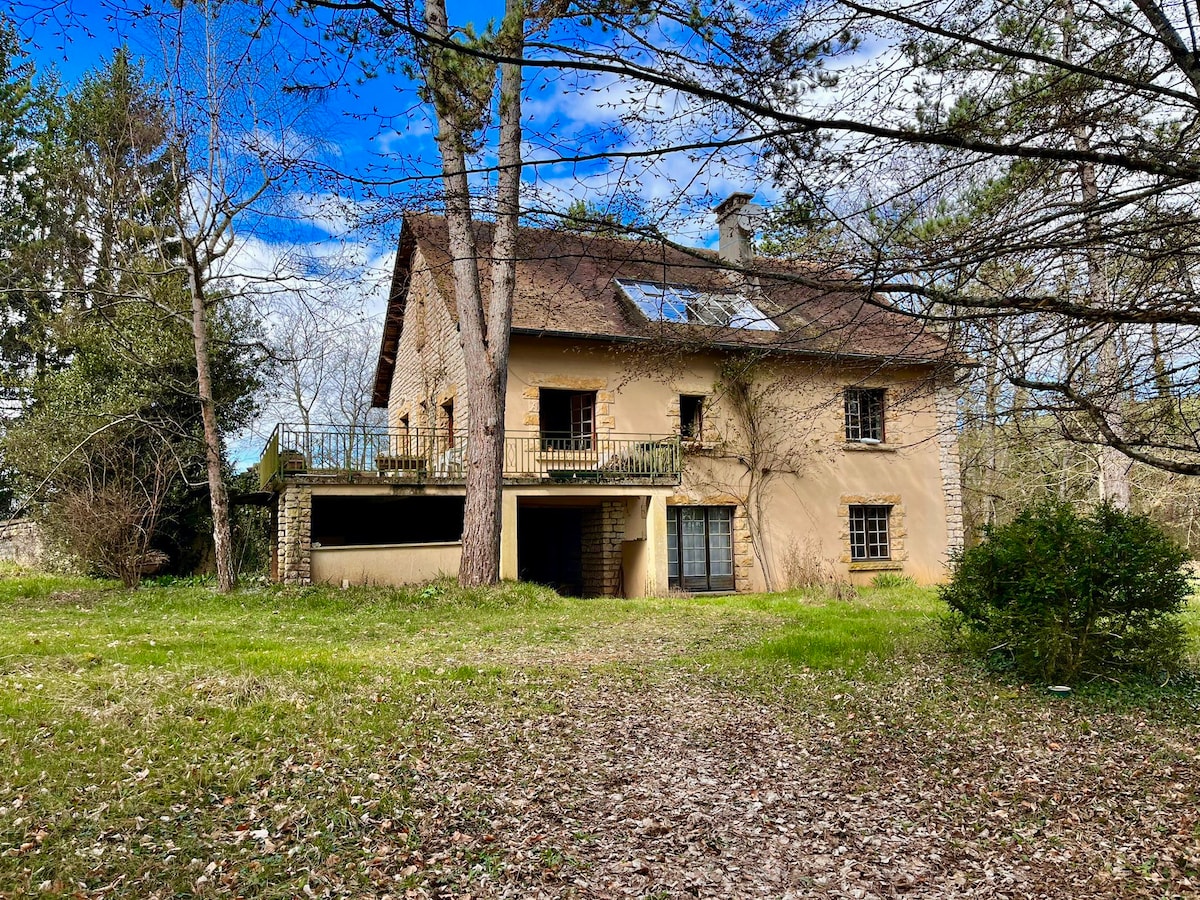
(485, 467)
(219, 497)
(483, 332)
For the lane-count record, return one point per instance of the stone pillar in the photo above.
(745, 563)
(603, 533)
(295, 534)
(276, 513)
(948, 459)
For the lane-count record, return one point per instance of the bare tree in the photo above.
(235, 151)
(470, 94)
(325, 364)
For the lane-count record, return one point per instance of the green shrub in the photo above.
(1058, 595)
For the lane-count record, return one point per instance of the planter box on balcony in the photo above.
(395, 464)
(574, 474)
(292, 462)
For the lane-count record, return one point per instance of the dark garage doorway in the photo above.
(550, 547)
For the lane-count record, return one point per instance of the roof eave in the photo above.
(393, 322)
(893, 359)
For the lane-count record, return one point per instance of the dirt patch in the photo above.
(81, 599)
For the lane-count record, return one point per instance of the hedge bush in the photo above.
(1058, 596)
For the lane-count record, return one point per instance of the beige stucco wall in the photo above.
(395, 565)
(800, 505)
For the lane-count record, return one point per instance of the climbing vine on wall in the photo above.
(767, 439)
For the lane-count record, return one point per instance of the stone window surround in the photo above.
(710, 435)
(892, 433)
(605, 399)
(897, 532)
(675, 526)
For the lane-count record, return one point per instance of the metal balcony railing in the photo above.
(440, 456)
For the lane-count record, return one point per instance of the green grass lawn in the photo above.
(278, 742)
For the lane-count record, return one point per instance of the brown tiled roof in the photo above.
(565, 286)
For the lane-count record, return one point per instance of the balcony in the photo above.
(424, 456)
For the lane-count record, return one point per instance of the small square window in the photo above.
(864, 414)
(869, 533)
(691, 417)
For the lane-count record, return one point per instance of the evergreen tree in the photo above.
(115, 424)
(29, 114)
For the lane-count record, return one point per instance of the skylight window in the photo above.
(695, 306)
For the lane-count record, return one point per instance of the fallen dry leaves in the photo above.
(680, 788)
(639, 773)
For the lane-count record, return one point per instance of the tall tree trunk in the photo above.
(1112, 463)
(218, 495)
(483, 332)
(993, 434)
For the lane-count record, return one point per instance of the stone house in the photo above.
(671, 424)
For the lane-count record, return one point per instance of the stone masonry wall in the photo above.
(21, 542)
(948, 459)
(295, 534)
(430, 366)
(744, 561)
(603, 532)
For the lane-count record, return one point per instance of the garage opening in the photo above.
(360, 521)
(550, 547)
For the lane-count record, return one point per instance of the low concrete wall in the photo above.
(385, 564)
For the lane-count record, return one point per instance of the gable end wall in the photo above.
(430, 366)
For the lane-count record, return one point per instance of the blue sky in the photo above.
(378, 130)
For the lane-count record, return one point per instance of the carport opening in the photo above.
(358, 521)
(550, 547)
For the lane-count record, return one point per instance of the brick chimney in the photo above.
(734, 238)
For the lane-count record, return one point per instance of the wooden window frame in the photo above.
(864, 414)
(870, 533)
(579, 417)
